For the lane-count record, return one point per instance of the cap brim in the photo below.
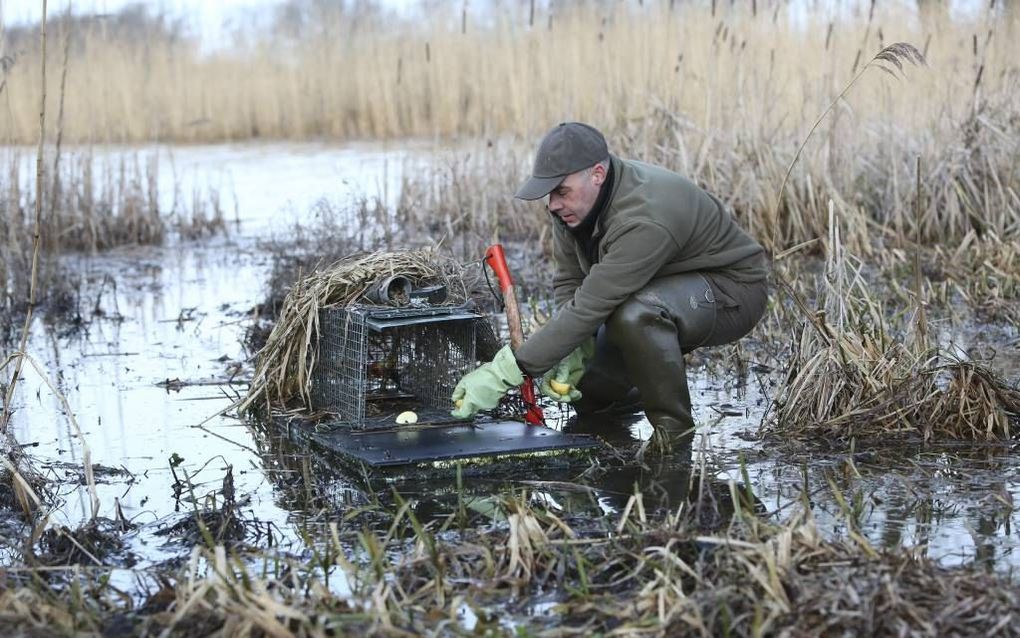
(537, 187)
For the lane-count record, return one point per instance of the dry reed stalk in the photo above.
(895, 55)
(90, 478)
(286, 361)
(19, 357)
(986, 273)
(36, 236)
(55, 191)
(921, 315)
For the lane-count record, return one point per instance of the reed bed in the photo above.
(466, 198)
(758, 71)
(285, 363)
(466, 201)
(89, 205)
(858, 373)
(93, 204)
(715, 91)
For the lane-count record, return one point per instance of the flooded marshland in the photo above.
(854, 466)
(156, 349)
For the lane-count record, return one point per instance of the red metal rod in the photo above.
(496, 259)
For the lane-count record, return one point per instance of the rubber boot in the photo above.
(605, 388)
(652, 330)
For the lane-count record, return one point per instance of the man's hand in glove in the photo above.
(560, 383)
(482, 388)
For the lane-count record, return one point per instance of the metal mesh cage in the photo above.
(374, 363)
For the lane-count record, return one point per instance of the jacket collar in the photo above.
(607, 211)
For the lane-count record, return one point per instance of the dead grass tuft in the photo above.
(857, 373)
(93, 543)
(986, 273)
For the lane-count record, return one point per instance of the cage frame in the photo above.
(351, 340)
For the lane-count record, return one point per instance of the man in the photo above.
(648, 266)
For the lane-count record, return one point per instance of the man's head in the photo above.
(570, 167)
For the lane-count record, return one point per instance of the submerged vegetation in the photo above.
(709, 565)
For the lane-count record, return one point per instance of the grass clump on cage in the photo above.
(858, 373)
(285, 363)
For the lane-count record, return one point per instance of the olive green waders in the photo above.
(640, 349)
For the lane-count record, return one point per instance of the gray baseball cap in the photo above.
(567, 148)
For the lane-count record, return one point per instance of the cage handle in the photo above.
(496, 259)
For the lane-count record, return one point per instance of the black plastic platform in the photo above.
(413, 445)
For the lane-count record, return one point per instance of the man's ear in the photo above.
(598, 173)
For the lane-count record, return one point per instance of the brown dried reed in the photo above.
(725, 67)
(986, 273)
(854, 375)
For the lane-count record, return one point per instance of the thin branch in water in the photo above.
(39, 170)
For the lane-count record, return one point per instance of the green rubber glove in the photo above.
(482, 388)
(568, 371)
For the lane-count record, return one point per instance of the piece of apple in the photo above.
(561, 389)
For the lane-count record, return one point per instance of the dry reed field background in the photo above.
(753, 79)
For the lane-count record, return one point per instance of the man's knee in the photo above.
(632, 317)
(683, 304)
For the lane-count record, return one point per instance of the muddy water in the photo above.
(145, 380)
(263, 187)
(160, 357)
(269, 187)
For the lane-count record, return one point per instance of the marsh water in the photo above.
(158, 356)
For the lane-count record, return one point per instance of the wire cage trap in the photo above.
(375, 362)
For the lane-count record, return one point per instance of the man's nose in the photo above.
(554, 203)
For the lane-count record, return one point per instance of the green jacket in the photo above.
(657, 223)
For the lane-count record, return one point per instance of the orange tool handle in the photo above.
(496, 259)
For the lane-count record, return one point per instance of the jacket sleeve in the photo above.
(568, 275)
(631, 260)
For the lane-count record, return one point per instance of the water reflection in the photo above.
(954, 505)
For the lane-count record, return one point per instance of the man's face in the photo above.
(574, 198)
